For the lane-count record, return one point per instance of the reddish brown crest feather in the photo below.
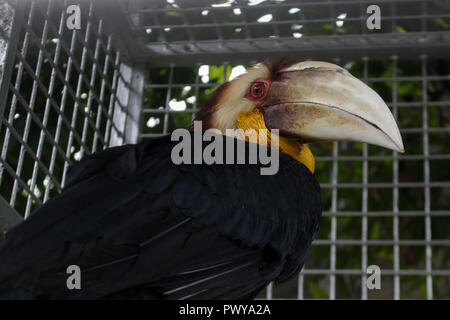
(276, 65)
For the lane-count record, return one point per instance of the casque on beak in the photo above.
(319, 101)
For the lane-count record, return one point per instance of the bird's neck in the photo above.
(255, 120)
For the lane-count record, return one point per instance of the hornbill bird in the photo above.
(140, 226)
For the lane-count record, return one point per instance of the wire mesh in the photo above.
(248, 31)
(58, 103)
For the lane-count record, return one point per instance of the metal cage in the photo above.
(138, 69)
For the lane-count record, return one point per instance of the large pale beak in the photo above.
(318, 101)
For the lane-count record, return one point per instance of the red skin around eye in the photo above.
(258, 99)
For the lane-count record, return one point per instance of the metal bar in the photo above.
(424, 15)
(77, 95)
(167, 46)
(44, 91)
(402, 130)
(176, 85)
(60, 117)
(102, 96)
(33, 115)
(393, 19)
(374, 80)
(426, 164)
(67, 50)
(300, 285)
(115, 11)
(386, 157)
(434, 213)
(387, 185)
(334, 199)
(420, 130)
(75, 63)
(27, 149)
(216, 27)
(46, 111)
(239, 51)
(269, 6)
(395, 196)
(362, 17)
(120, 113)
(13, 174)
(135, 101)
(269, 291)
(18, 82)
(113, 99)
(189, 30)
(196, 87)
(31, 104)
(169, 94)
(399, 36)
(364, 222)
(91, 86)
(382, 242)
(69, 89)
(9, 37)
(76, 98)
(91, 56)
(386, 272)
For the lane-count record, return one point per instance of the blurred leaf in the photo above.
(317, 292)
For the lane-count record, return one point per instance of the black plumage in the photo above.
(140, 226)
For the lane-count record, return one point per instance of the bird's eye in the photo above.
(258, 90)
